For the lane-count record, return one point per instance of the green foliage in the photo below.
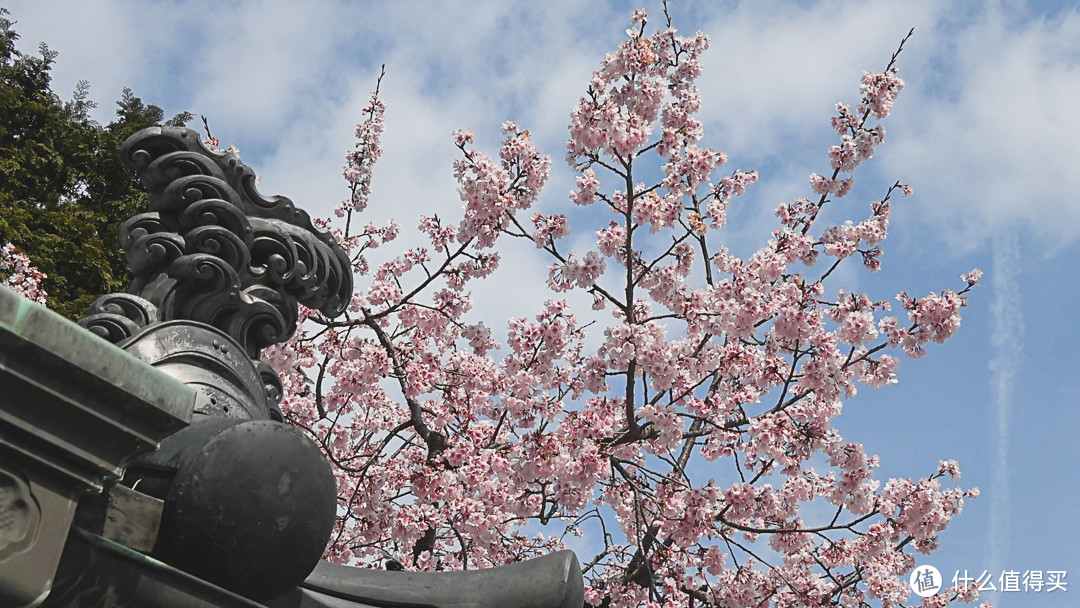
(63, 192)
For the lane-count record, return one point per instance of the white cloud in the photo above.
(776, 70)
(995, 142)
(259, 66)
(985, 130)
(100, 42)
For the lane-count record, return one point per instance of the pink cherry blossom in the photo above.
(20, 275)
(465, 443)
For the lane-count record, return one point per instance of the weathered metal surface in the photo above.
(73, 410)
(35, 513)
(552, 581)
(20, 513)
(306, 598)
(251, 510)
(229, 382)
(122, 515)
(62, 386)
(247, 503)
(218, 272)
(98, 573)
(132, 518)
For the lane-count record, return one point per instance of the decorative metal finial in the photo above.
(213, 250)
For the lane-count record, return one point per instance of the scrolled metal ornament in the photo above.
(221, 243)
(151, 251)
(219, 271)
(118, 316)
(189, 189)
(138, 226)
(217, 212)
(204, 205)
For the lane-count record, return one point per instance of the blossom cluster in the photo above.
(20, 274)
(359, 162)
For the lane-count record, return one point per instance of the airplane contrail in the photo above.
(1006, 338)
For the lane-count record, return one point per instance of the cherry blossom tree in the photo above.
(453, 451)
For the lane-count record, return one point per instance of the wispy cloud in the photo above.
(981, 132)
(994, 143)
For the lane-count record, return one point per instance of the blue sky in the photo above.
(987, 132)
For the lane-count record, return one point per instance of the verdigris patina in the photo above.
(216, 502)
(73, 409)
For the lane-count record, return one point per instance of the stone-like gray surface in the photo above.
(43, 347)
(73, 410)
(551, 581)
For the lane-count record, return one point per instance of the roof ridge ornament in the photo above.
(212, 249)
